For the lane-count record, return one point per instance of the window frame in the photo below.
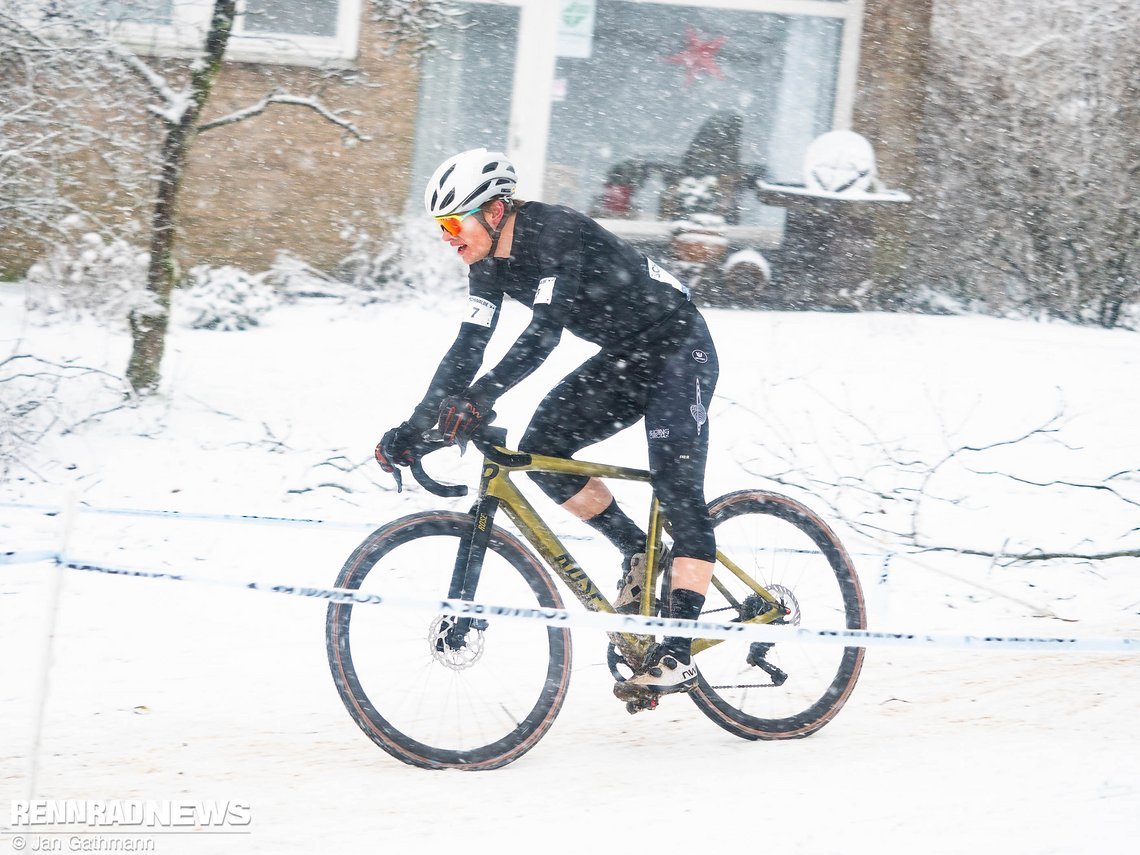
(536, 58)
(190, 20)
(268, 47)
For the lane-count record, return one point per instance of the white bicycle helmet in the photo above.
(467, 180)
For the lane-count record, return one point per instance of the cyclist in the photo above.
(657, 361)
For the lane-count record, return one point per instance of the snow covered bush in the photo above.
(223, 298)
(292, 278)
(410, 261)
(87, 274)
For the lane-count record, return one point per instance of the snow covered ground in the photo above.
(164, 690)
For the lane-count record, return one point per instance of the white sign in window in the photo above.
(575, 28)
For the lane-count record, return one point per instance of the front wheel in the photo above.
(787, 690)
(426, 693)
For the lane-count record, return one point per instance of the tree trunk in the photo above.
(888, 111)
(149, 323)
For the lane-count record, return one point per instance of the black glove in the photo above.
(459, 418)
(397, 447)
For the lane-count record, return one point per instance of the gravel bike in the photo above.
(445, 691)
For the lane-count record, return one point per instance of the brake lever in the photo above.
(463, 442)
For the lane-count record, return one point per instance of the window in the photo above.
(297, 31)
(681, 110)
(293, 17)
(291, 32)
(117, 14)
(152, 12)
(641, 111)
(465, 91)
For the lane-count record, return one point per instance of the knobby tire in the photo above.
(430, 541)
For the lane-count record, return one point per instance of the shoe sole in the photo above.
(627, 691)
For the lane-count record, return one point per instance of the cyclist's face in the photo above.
(471, 241)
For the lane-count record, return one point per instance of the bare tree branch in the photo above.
(896, 495)
(1007, 558)
(1061, 483)
(277, 96)
(39, 398)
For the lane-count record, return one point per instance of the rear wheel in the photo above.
(429, 695)
(779, 691)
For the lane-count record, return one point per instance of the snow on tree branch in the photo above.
(277, 96)
(56, 81)
(414, 23)
(1029, 151)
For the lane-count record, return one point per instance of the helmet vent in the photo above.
(476, 193)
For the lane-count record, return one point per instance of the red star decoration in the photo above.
(699, 56)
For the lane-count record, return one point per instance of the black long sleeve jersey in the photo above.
(575, 275)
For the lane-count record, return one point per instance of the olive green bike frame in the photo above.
(497, 490)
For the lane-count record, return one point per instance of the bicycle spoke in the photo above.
(419, 685)
(796, 559)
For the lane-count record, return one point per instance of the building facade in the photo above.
(639, 112)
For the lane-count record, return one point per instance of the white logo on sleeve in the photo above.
(479, 311)
(545, 293)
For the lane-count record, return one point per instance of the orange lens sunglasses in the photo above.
(452, 223)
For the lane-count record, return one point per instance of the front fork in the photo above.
(466, 572)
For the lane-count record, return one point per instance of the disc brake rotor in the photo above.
(791, 604)
(444, 648)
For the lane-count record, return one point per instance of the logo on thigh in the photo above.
(697, 409)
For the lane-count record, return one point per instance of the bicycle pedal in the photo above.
(635, 694)
(634, 707)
